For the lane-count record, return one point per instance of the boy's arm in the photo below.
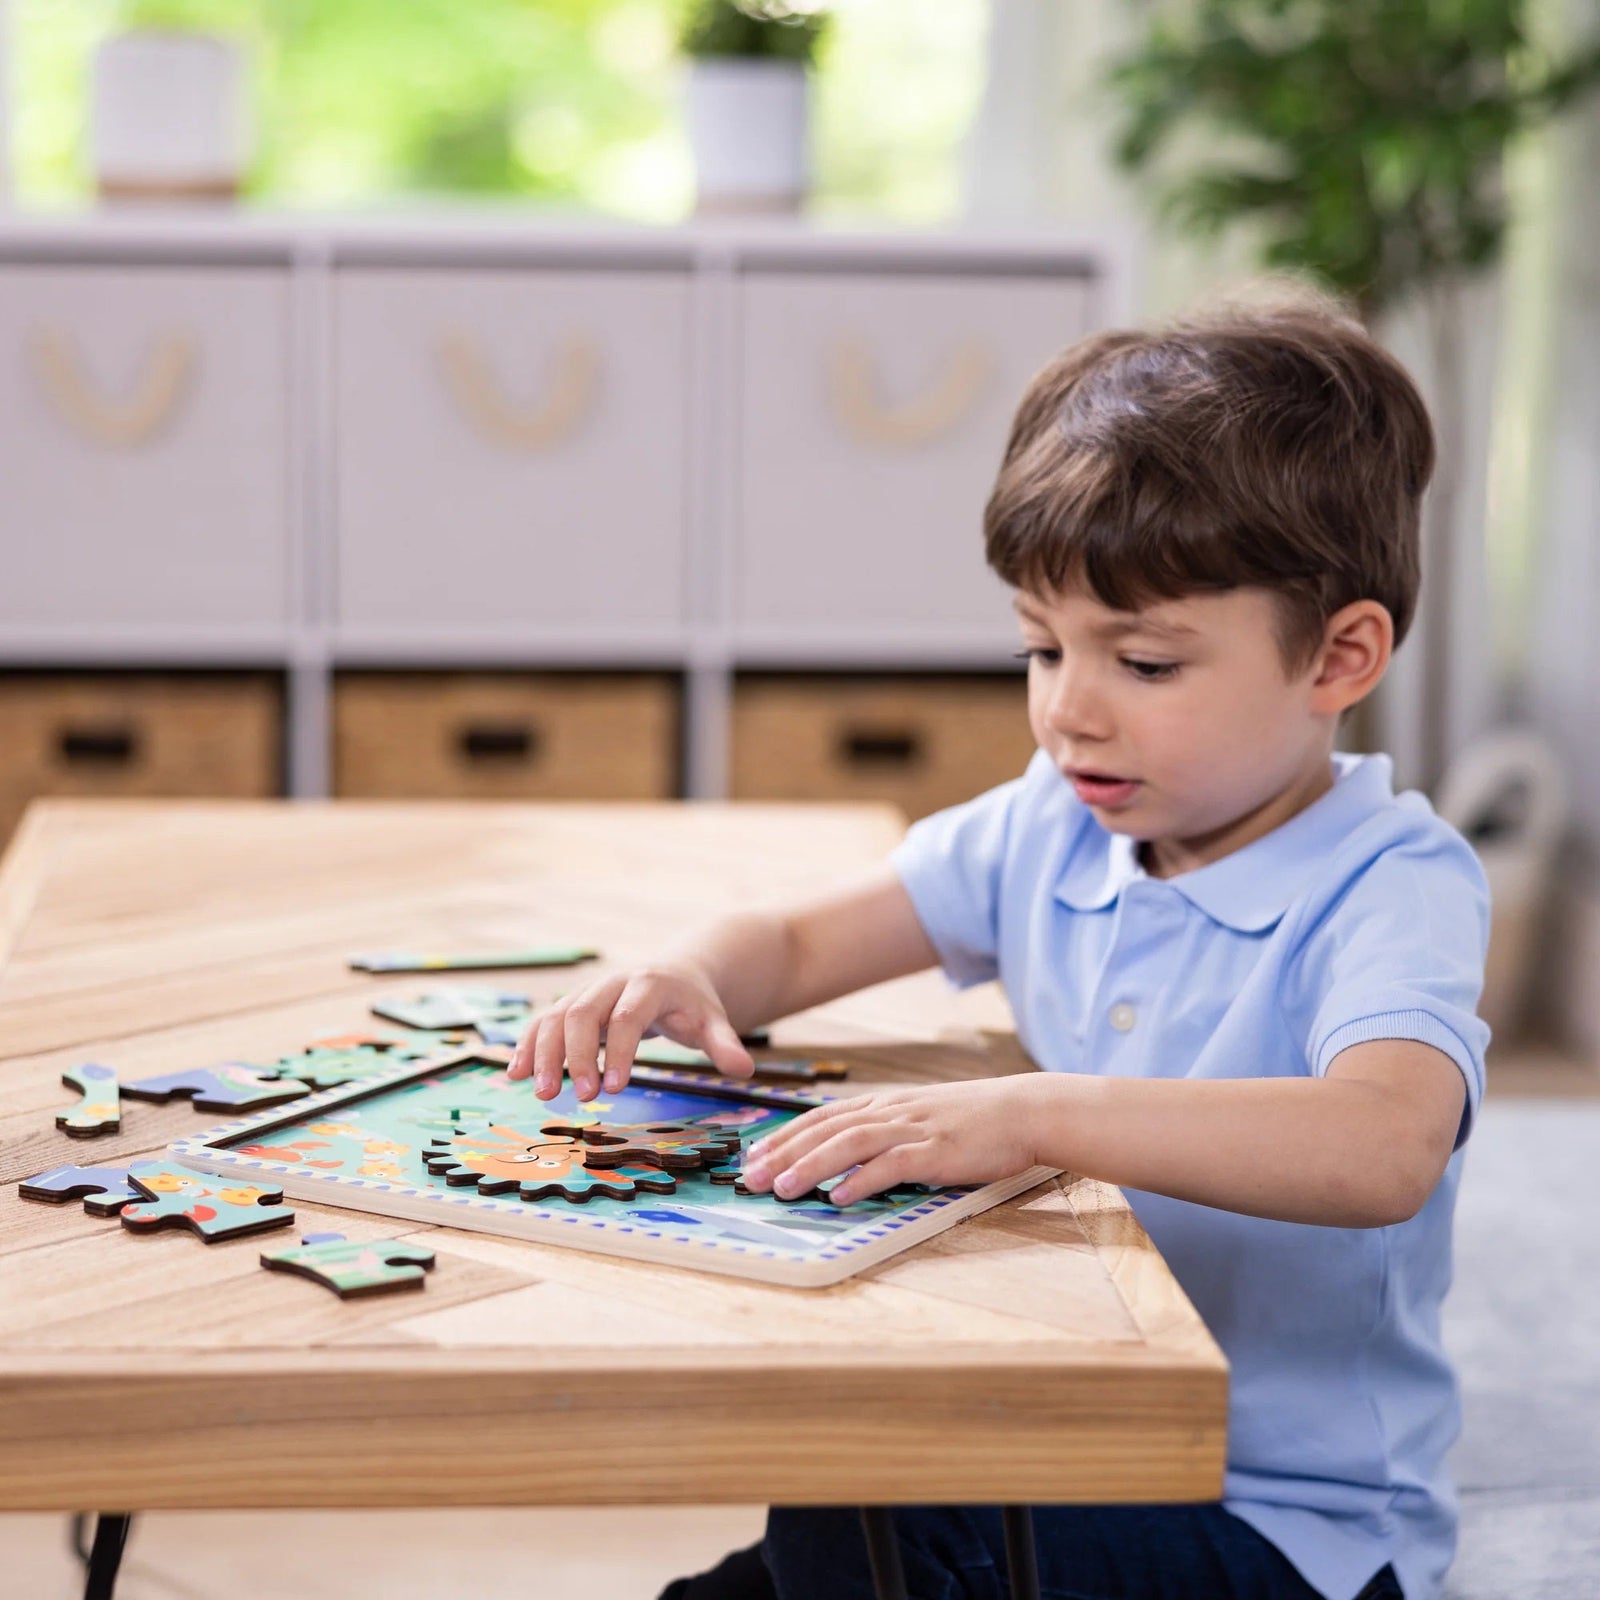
(1362, 1147)
(745, 970)
(768, 965)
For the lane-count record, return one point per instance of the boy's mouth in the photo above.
(1102, 789)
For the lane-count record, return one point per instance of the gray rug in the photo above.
(1523, 1324)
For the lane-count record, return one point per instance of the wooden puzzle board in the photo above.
(367, 1148)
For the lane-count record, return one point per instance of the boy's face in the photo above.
(1179, 723)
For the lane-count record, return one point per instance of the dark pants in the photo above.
(1187, 1552)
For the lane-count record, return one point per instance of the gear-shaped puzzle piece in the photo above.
(213, 1208)
(540, 1166)
(675, 1146)
(372, 1266)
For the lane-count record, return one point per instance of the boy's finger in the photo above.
(549, 1054)
(897, 1165)
(828, 1154)
(631, 1016)
(583, 1049)
(728, 1055)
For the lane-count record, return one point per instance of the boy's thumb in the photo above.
(727, 1054)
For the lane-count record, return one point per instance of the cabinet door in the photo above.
(142, 734)
(143, 447)
(505, 736)
(511, 449)
(874, 412)
(920, 743)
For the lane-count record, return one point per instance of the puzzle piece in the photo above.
(498, 1159)
(214, 1208)
(100, 1110)
(350, 1060)
(445, 1009)
(348, 1268)
(680, 1146)
(662, 1052)
(105, 1190)
(494, 960)
(233, 1086)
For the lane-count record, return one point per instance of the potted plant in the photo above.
(748, 101)
(1362, 140)
(170, 111)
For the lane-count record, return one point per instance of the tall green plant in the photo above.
(1361, 137)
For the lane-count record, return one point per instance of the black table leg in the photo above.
(110, 1535)
(1021, 1558)
(883, 1551)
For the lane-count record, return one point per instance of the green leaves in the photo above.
(1363, 137)
(772, 30)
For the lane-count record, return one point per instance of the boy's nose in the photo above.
(1073, 709)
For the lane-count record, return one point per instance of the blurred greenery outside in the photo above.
(576, 104)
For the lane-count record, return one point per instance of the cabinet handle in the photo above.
(119, 425)
(499, 741)
(108, 746)
(573, 389)
(853, 392)
(880, 747)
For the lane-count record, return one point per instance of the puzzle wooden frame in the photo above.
(747, 1236)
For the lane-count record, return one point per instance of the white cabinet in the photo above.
(512, 450)
(873, 409)
(144, 448)
(463, 441)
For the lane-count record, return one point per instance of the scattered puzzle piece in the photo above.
(349, 1268)
(676, 1145)
(211, 1207)
(663, 1052)
(335, 1061)
(100, 1110)
(445, 1009)
(494, 960)
(105, 1190)
(233, 1086)
(498, 1159)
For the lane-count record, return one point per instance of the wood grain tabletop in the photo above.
(1040, 1352)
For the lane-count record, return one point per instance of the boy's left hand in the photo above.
(946, 1133)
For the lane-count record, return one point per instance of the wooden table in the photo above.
(1041, 1352)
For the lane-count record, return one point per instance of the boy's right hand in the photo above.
(675, 999)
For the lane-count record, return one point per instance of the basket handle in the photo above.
(118, 425)
(573, 388)
(853, 392)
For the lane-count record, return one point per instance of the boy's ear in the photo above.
(1357, 643)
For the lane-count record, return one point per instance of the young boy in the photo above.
(1247, 968)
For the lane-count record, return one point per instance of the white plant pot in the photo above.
(748, 127)
(170, 116)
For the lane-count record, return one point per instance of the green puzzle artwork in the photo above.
(644, 1172)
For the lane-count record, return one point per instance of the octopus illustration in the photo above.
(538, 1166)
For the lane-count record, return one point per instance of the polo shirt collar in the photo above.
(1250, 888)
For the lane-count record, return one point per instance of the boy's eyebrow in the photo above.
(1114, 628)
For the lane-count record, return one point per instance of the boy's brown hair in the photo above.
(1276, 447)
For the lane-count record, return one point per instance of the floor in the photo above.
(443, 1555)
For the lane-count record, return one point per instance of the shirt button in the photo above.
(1123, 1017)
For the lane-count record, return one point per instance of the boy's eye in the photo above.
(1045, 654)
(1150, 671)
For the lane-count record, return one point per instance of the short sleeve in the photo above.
(1401, 956)
(951, 864)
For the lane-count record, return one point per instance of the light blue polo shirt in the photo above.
(1364, 917)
